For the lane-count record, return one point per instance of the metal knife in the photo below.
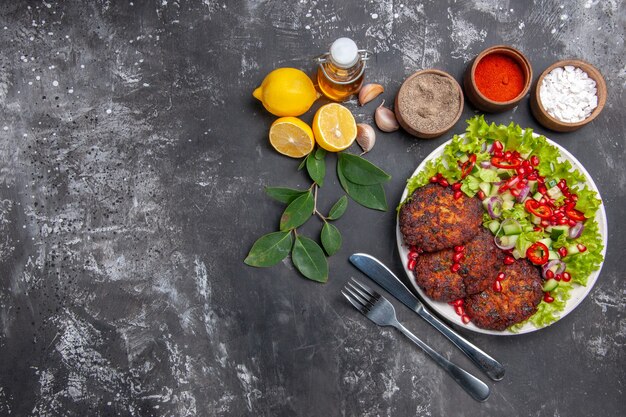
(383, 276)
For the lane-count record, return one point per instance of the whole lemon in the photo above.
(286, 92)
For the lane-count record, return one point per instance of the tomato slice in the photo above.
(468, 166)
(505, 163)
(542, 211)
(537, 253)
(575, 215)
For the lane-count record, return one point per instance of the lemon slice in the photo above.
(334, 127)
(292, 137)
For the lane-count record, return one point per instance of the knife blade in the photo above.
(383, 276)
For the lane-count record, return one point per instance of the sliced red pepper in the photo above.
(534, 207)
(575, 215)
(538, 253)
(505, 163)
(468, 166)
(510, 183)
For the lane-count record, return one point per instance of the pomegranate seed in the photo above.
(465, 318)
(455, 267)
(420, 250)
(558, 277)
(542, 189)
(545, 223)
(481, 194)
(514, 192)
(458, 194)
(413, 255)
(500, 276)
(549, 274)
(571, 223)
(509, 260)
(497, 146)
(574, 197)
(521, 170)
(459, 248)
(456, 186)
(540, 179)
(411, 264)
(508, 154)
(459, 302)
(526, 163)
(457, 257)
(497, 154)
(532, 177)
(434, 179)
(534, 160)
(563, 221)
(548, 298)
(567, 277)
(459, 310)
(497, 287)
(562, 184)
(537, 229)
(581, 248)
(412, 248)
(562, 252)
(508, 251)
(443, 182)
(558, 215)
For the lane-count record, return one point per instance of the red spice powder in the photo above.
(499, 77)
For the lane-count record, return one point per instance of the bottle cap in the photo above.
(344, 53)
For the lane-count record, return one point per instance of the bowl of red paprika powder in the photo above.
(497, 79)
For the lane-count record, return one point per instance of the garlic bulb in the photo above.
(365, 137)
(369, 92)
(386, 119)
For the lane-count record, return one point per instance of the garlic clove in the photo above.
(386, 119)
(369, 92)
(365, 137)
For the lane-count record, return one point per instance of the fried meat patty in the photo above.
(434, 220)
(521, 294)
(433, 275)
(479, 268)
(482, 262)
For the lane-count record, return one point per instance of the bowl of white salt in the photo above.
(568, 95)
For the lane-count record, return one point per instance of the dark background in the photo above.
(132, 165)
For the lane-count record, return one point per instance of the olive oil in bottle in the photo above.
(341, 70)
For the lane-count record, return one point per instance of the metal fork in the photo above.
(379, 310)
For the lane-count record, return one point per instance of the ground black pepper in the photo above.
(429, 102)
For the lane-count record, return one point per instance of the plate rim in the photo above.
(571, 304)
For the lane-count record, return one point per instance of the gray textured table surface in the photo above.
(132, 165)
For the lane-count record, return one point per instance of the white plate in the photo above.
(578, 293)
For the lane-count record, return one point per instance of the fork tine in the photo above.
(365, 288)
(354, 302)
(366, 298)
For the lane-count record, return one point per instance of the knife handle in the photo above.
(489, 365)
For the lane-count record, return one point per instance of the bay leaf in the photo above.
(269, 249)
(331, 239)
(360, 171)
(284, 194)
(309, 259)
(338, 209)
(297, 212)
(370, 196)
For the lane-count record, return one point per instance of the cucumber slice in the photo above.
(494, 226)
(551, 183)
(572, 250)
(553, 255)
(538, 196)
(485, 187)
(511, 228)
(507, 205)
(535, 219)
(555, 193)
(550, 285)
(558, 231)
(508, 240)
(507, 196)
(533, 186)
(546, 241)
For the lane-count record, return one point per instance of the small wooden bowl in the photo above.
(402, 114)
(555, 124)
(482, 102)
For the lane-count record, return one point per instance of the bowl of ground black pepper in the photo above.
(497, 79)
(429, 103)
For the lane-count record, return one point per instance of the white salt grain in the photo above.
(568, 94)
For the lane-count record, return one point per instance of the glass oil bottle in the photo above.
(342, 69)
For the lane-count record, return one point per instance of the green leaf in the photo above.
(370, 196)
(269, 249)
(283, 194)
(320, 153)
(297, 212)
(316, 169)
(360, 171)
(303, 163)
(309, 259)
(338, 208)
(331, 239)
